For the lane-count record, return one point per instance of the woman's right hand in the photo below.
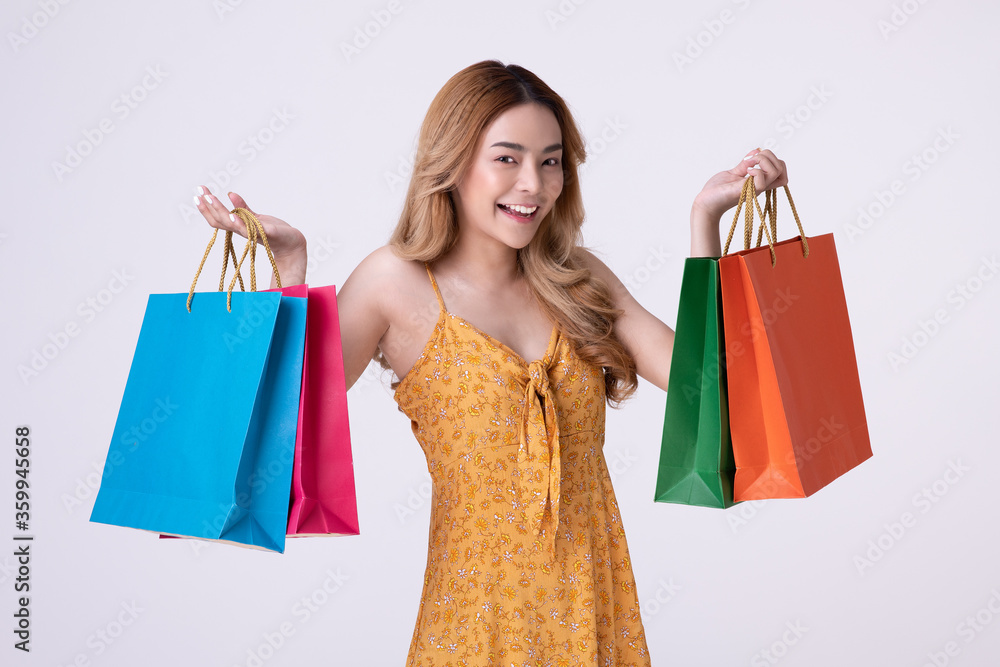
(288, 245)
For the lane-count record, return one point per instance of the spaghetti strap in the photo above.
(434, 284)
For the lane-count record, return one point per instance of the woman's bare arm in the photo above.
(649, 340)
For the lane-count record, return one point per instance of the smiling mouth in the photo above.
(519, 212)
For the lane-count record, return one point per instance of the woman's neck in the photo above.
(484, 262)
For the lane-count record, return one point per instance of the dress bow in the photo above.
(538, 456)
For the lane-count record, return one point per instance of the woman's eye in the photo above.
(552, 161)
(505, 158)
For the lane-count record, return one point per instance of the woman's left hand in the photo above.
(722, 192)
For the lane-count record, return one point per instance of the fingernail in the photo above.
(232, 218)
(201, 190)
(208, 198)
(197, 201)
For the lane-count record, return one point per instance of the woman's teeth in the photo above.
(522, 211)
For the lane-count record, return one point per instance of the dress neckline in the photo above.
(549, 350)
(444, 313)
(546, 360)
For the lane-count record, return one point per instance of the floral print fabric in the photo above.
(527, 563)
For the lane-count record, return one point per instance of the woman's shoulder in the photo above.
(391, 283)
(383, 269)
(588, 259)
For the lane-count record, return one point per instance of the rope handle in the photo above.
(768, 219)
(255, 230)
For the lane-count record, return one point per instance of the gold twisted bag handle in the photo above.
(254, 230)
(768, 219)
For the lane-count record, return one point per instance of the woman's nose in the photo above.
(530, 178)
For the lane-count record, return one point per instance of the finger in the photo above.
(770, 172)
(751, 155)
(782, 174)
(741, 167)
(239, 202)
(215, 213)
(266, 224)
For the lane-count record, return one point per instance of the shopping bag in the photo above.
(205, 434)
(696, 456)
(322, 494)
(797, 416)
(323, 498)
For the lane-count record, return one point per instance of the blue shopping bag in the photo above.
(205, 437)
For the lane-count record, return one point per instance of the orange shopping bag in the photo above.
(795, 407)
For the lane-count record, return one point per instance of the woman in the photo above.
(527, 561)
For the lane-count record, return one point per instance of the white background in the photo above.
(849, 94)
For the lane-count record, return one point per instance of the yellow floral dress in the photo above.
(527, 563)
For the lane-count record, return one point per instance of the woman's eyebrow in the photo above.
(518, 147)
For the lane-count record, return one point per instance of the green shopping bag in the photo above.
(696, 454)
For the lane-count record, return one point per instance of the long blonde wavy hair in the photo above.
(567, 291)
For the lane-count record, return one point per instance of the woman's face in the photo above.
(514, 179)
